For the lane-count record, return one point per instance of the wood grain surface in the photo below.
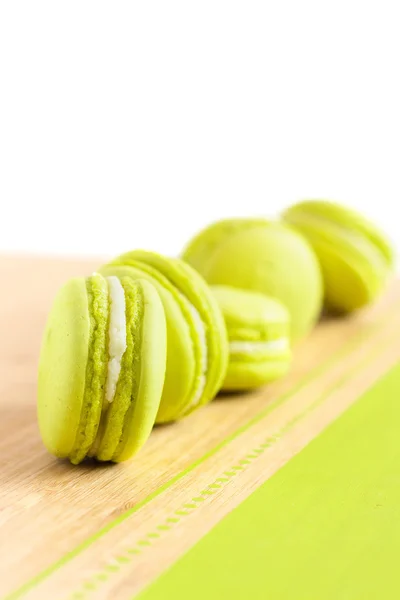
(106, 531)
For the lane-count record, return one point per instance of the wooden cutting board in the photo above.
(108, 531)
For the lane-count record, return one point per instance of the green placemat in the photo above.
(325, 527)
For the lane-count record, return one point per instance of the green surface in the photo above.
(263, 256)
(257, 320)
(324, 527)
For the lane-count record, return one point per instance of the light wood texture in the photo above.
(48, 508)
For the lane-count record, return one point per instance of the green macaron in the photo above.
(356, 258)
(263, 256)
(259, 337)
(197, 345)
(101, 368)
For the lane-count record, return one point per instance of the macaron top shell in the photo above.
(251, 316)
(355, 257)
(96, 396)
(349, 220)
(201, 247)
(268, 257)
(62, 368)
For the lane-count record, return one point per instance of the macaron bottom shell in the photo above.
(247, 374)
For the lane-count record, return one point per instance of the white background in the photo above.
(133, 124)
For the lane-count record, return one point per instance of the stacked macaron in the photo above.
(150, 339)
(102, 368)
(259, 337)
(356, 258)
(197, 351)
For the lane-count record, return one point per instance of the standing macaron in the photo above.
(262, 256)
(197, 345)
(259, 337)
(101, 368)
(356, 258)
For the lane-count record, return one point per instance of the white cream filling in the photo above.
(116, 335)
(201, 330)
(271, 347)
